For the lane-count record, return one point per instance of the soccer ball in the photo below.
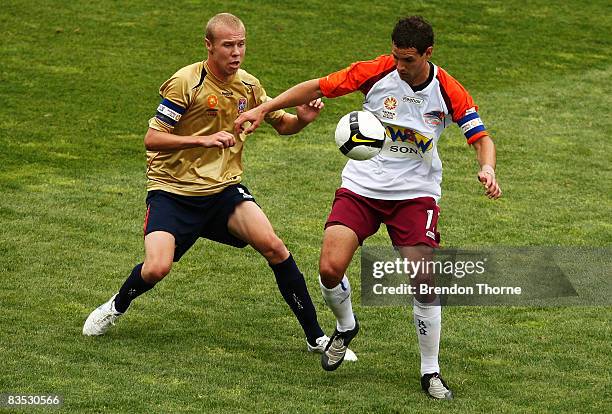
(360, 135)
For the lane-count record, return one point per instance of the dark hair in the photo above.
(413, 31)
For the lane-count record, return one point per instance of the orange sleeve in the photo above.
(358, 76)
(461, 106)
(455, 94)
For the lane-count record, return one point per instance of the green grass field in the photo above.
(78, 82)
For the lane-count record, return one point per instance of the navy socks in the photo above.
(293, 288)
(133, 287)
(290, 283)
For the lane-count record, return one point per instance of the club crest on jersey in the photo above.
(434, 118)
(212, 101)
(242, 104)
(390, 103)
(421, 142)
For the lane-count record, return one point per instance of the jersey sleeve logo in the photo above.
(169, 113)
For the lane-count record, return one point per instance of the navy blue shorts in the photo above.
(188, 218)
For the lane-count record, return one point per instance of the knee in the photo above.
(273, 249)
(422, 281)
(155, 271)
(331, 273)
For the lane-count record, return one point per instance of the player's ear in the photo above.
(208, 44)
(428, 52)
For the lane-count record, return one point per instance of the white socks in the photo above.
(339, 301)
(428, 323)
(427, 320)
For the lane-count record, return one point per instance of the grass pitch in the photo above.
(78, 82)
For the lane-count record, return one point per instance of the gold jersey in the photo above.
(194, 102)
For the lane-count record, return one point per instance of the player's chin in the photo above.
(406, 77)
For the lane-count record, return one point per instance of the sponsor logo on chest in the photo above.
(412, 100)
(419, 142)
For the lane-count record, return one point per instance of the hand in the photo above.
(487, 177)
(221, 139)
(254, 116)
(309, 112)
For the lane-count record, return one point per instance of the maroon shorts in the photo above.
(409, 222)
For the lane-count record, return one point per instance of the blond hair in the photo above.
(222, 19)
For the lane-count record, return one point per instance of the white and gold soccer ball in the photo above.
(360, 135)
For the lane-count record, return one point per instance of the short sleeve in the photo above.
(461, 107)
(358, 76)
(175, 97)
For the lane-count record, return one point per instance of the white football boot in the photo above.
(435, 387)
(322, 344)
(101, 319)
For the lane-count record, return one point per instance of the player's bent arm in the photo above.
(289, 124)
(297, 95)
(292, 124)
(155, 140)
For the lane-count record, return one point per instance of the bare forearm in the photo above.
(297, 95)
(162, 141)
(485, 151)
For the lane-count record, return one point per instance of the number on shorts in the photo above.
(429, 219)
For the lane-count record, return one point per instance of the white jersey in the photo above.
(408, 165)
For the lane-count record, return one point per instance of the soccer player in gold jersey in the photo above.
(194, 169)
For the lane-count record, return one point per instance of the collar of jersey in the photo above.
(425, 84)
(217, 80)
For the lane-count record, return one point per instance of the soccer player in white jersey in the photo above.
(415, 100)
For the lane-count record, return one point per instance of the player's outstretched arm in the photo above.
(485, 152)
(297, 95)
(291, 124)
(156, 140)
